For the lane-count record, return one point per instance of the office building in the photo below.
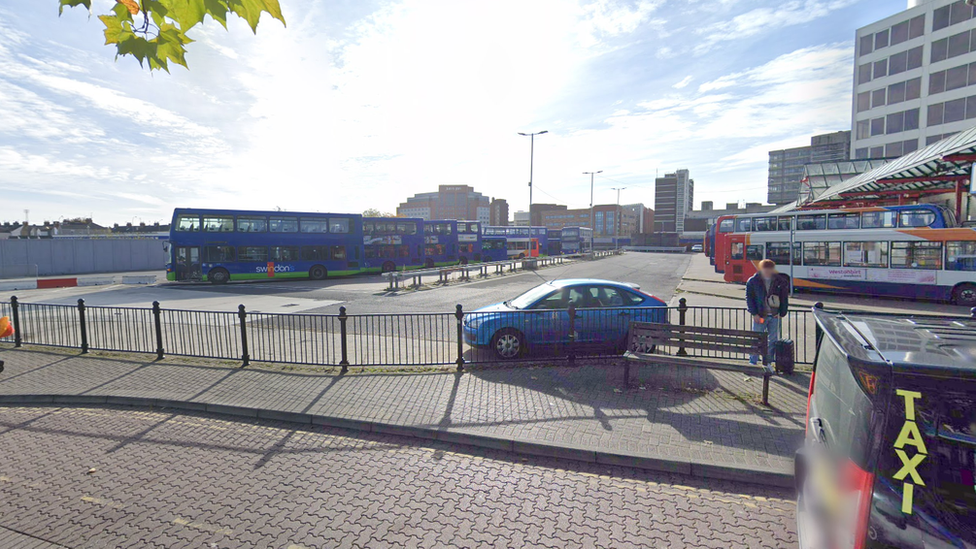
(674, 195)
(449, 202)
(786, 165)
(520, 218)
(914, 78)
(607, 218)
(498, 213)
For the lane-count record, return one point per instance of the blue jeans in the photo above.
(771, 327)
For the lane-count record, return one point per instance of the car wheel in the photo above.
(429, 263)
(508, 344)
(218, 276)
(521, 256)
(318, 272)
(388, 267)
(464, 261)
(965, 295)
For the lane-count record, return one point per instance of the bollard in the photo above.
(83, 326)
(245, 356)
(682, 311)
(15, 313)
(344, 362)
(459, 314)
(157, 322)
(572, 334)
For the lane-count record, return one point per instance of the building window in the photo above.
(959, 12)
(863, 101)
(899, 33)
(896, 93)
(916, 27)
(877, 126)
(867, 43)
(910, 145)
(881, 39)
(860, 154)
(911, 119)
(877, 152)
(940, 18)
(955, 110)
(893, 149)
(864, 74)
(915, 58)
(898, 63)
(878, 98)
(940, 50)
(895, 123)
(935, 113)
(880, 68)
(959, 44)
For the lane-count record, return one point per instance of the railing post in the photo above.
(344, 361)
(459, 315)
(245, 355)
(158, 323)
(682, 311)
(15, 312)
(572, 334)
(83, 325)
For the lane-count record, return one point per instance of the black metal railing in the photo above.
(344, 340)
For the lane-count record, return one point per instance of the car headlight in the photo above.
(473, 322)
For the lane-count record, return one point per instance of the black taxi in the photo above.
(889, 457)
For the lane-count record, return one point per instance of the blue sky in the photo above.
(360, 103)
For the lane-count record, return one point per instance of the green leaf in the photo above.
(186, 13)
(121, 12)
(114, 32)
(218, 10)
(73, 3)
(250, 11)
(170, 45)
(137, 47)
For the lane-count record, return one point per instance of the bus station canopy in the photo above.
(942, 167)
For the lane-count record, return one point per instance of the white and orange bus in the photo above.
(913, 252)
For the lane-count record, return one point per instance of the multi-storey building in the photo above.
(914, 78)
(498, 213)
(449, 202)
(786, 165)
(674, 196)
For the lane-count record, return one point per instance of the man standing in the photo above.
(767, 298)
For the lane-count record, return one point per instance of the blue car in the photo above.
(538, 320)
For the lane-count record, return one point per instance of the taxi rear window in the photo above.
(928, 460)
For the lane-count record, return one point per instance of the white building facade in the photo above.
(914, 78)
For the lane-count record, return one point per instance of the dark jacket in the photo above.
(756, 293)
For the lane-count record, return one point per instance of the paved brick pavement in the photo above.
(692, 419)
(123, 477)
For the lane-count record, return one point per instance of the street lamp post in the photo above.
(616, 222)
(592, 222)
(531, 137)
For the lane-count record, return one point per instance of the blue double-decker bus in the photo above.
(392, 243)
(494, 248)
(469, 242)
(554, 241)
(440, 243)
(224, 245)
(576, 240)
(540, 235)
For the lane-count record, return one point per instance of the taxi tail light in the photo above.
(863, 483)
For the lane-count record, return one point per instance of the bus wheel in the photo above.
(318, 272)
(388, 267)
(464, 261)
(965, 295)
(429, 263)
(218, 276)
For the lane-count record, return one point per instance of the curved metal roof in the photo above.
(935, 168)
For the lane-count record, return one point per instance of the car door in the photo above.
(546, 323)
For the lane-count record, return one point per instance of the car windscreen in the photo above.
(531, 296)
(925, 494)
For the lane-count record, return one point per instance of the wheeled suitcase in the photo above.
(783, 353)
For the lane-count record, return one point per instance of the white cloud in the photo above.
(764, 20)
(683, 82)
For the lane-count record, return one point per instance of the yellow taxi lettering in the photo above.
(909, 436)
(909, 466)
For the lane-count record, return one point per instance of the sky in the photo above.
(359, 104)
